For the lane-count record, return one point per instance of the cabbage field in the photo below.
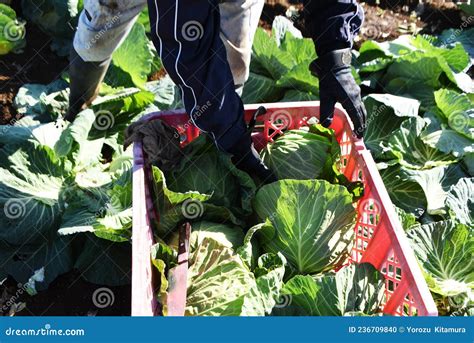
(66, 190)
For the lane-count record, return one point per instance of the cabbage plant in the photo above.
(56, 18)
(12, 31)
(311, 222)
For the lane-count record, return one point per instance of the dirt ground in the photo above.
(70, 295)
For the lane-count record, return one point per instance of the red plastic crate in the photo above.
(379, 237)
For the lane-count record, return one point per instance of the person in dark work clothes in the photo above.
(205, 47)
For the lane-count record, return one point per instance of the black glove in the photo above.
(246, 158)
(336, 84)
(160, 142)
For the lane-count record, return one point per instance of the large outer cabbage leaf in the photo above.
(43, 193)
(163, 258)
(36, 100)
(436, 183)
(220, 283)
(280, 63)
(227, 235)
(353, 290)
(309, 221)
(385, 114)
(457, 110)
(446, 252)
(419, 72)
(260, 88)
(299, 78)
(31, 182)
(468, 162)
(103, 262)
(74, 141)
(47, 259)
(404, 192)
(460, 201)
(106, 210)
(302, 50)
(450, 36)
(172, 206)
(396, 48)
(114, 112)
(206, 171)
(100, 200)
(408, 147)
(131, 62)
(440, 136)
(269, 56)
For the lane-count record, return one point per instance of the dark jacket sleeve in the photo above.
(332, 24)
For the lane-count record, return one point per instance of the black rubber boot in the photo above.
(86, 78)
